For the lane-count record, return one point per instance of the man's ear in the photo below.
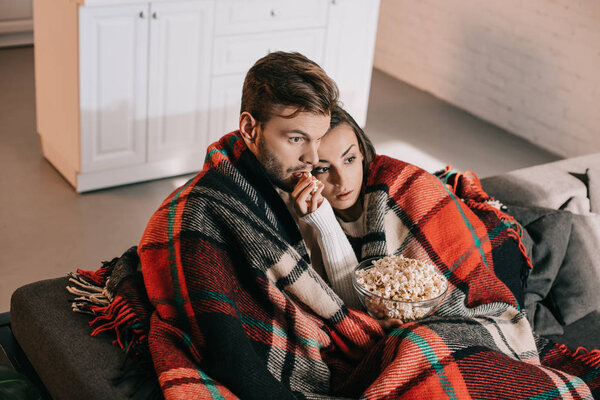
(248, 127)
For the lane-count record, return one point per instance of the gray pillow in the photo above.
(563, 286)
(546, 238)
(576, 290)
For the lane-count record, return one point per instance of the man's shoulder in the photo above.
(227, 149)
(211, 180)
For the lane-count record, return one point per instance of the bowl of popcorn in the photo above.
(399, 287)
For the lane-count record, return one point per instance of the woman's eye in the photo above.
(350, 160)
(320, 170)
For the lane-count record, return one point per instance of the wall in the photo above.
(531, 67)
(16, 22)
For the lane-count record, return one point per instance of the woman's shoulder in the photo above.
(383, 168)
(383, 161)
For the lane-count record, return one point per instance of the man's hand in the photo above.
(389, 324)
(307, 195)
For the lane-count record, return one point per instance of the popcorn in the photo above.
(401, 279)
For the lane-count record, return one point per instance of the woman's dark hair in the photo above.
(340, 116)
(287, 79)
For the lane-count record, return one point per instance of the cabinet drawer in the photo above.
(243, 16)
(236, 54)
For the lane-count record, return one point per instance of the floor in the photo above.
(47, 230)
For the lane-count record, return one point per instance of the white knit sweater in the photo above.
(338, 257)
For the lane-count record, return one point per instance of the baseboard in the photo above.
(16, 39)
(16, 32)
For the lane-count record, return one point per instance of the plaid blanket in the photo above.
(238, 312)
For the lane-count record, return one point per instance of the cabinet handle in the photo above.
(154, 15)
(141, 14)
(273, 13)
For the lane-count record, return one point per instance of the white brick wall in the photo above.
(531, 67)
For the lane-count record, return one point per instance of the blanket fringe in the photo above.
(110, 314)
(98, 277)
(121, 319)
(479, 199)
(105, 295)
(590, 358)
(91, 298)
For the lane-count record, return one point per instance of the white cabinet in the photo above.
(144, 82)
(127, 92)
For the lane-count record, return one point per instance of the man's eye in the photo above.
(350, 160)
(296, 139)
(320, 170)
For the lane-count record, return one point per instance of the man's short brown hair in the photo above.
(287, 79)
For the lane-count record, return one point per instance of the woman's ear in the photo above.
(248, 127)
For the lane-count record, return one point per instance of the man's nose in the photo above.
(310, 155)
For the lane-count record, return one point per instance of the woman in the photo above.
(332, 203)
(406, 210)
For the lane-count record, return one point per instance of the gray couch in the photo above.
(74, 365)
(558, 205)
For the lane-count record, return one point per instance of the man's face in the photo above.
(287, 147)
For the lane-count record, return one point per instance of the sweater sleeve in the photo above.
(339, 259)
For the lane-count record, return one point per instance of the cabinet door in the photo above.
(179, 84)
(351, 32)
(113, 54)
(226, 98)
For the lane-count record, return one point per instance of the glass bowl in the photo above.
(381, 308)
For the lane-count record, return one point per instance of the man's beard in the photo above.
(274, 169)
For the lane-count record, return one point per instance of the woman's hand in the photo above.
(307, 195)
(389, 324)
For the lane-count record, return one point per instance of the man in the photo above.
(224, 263)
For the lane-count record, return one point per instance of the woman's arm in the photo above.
(339, 259)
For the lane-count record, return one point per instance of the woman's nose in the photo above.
(336, 178)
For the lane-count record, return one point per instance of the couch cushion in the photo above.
(71, 363)
(567, 184)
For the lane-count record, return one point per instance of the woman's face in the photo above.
(340, 169)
